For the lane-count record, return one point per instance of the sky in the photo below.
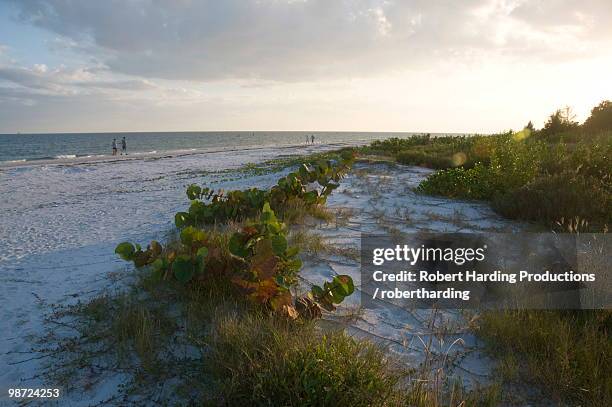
(471, 66)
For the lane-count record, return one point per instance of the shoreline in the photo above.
(154, 155)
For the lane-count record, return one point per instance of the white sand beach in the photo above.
(62, 222)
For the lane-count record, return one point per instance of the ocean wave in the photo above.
(75, 159)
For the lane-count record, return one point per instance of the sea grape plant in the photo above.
(260, 264)
(183, 265)
(334, 292)
(209, 206)
(130, 252)
(326, 297)
(272, 265)
(266, 268)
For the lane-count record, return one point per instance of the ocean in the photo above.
(20, 148)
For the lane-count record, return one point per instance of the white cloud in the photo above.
(314, 39)
(482, 65)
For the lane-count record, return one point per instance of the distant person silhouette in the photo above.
(307, 139)
(123, 146)
(114, 145)
(312, 139)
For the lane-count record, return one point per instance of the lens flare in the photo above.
(522, 135)
(459, 159)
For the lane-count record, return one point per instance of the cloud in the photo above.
(588, 17)
(299, 64)
(35, 78)
(300, 40)
(63, 81)
(40, 85)
(128, 85)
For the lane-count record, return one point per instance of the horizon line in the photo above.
(248, 131)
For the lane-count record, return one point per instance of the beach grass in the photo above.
(217, 349)
(566, 353)
(258, 360)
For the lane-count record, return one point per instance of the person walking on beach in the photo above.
(114, 145)
(123, 146)
(312, 139)
(307, 139)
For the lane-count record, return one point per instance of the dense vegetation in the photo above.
(560, 174)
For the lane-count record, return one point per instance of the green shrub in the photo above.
(550, 198)
(516, 162)
(395, 144)
(600, 118)
(592, 158)
(474, 183)
(424, 160)
(257, 260)
(209, 206)
(529, 179)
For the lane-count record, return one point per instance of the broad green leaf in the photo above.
(274, 227)
(237, 245)
(317, 291)
(280, 280)
(336, 296)
(125, 250)
(279, 244)
(346, 284)
(202, 252)
(181, 219)
(304, 171)
(347, 155)
(197, 208)
(188, 235)
(183, 269)
(158, 265)
(311, 197)
(295, 265)
(292, 251)
(193, 191)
